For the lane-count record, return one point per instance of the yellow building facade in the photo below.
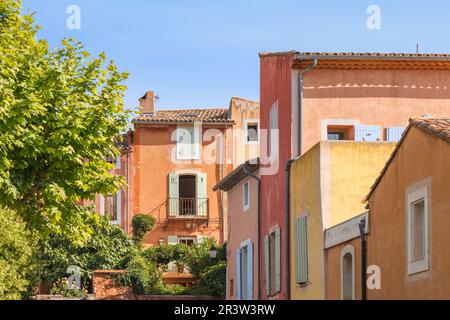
(327, 184)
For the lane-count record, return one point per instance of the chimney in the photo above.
(148, 103)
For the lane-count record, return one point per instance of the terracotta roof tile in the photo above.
(185, 116)
(310, 55)
(439, 127)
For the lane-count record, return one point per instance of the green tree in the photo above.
(16, 258)
(60, 112)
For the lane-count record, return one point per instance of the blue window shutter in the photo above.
(238, 274)
(301, 250)
(173, 195)
(277, 260)
(202, 195)
(367, 133)
(394, 134)
(250, 271)
(267, 264)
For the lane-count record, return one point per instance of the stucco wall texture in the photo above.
(421, 156)
(328, 184)
(242, 226)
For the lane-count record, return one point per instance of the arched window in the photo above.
(348, 273)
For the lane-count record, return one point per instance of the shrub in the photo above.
(142, 224)
(60, 287)
(212, 281)
(17, 267)
(109, 248)
(143, 276)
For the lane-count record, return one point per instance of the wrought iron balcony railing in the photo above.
(188, 207)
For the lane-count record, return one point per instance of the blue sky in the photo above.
(199, 53)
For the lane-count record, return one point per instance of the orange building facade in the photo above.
(171, 160)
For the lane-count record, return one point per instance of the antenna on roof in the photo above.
(417, 48)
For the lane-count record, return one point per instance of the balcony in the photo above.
(188, 208)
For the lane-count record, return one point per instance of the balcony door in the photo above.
(188, 195)
(187, 192)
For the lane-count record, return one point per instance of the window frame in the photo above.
(417, 193)
(251, 122)
(246, 207)
(186, 238)
(102, 208)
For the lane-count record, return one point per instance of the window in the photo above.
(244, 271)
(110, 206)
(336, 136)
(348, 273)
(272, 262)
(418, 213)
(190, 241)
(340, 132)
(246, 195)
(188, 194)
(188, 143)
(251, 131)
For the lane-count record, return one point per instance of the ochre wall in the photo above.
(387, 98)
(305, 199)
(243, 225)
(420, 156)
(328, 183)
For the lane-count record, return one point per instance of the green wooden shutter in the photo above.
(173, 195)
(277, 260)
(267, 263)
(202, 195)
(301, 250)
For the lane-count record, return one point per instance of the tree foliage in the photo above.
(109, 248)
(60, 111)
(16, 258)
(142, 224)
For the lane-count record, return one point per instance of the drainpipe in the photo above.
(248, 173)
(288, 177)
(362, 226)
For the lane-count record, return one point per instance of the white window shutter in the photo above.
(250, 271)
(367, 133)
(267, 263)
(173, 194)
(394, 134)
(277, 260)
(202, 195)
(102, 205)
(238, 275)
